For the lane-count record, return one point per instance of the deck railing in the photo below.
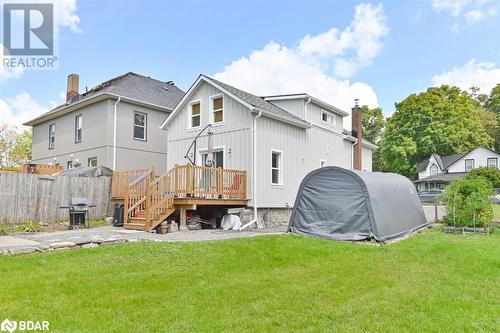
(204, 182)
(121, 180)
(136, 194)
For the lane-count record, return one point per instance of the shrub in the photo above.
(490, 174)
(468, 203)
(28, 226)
(5, 229)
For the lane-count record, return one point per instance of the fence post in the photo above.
(125, 205)
(435, 211)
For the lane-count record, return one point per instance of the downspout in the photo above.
(114, 131)
(254, 176)
(352, 153)
(305, 107)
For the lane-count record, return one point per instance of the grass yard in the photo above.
(430, 282)
(496, 212)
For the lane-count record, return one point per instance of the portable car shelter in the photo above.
(343, 204)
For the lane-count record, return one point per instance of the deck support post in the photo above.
(183, 223)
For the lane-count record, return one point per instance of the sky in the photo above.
(379, 52)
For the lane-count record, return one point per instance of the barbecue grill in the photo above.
(78, 209)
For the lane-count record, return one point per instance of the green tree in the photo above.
(373, 126)
(493, 105)
(21, 151)
(441, 120)
(490, 174)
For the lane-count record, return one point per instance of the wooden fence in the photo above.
(38, 198)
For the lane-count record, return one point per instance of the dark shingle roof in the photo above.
(129, 85)
(142, 88)
(259, 102)
(442, 177)
(444, 161)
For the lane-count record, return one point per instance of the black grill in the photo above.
(78, 209)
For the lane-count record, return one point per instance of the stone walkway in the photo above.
(94, 237)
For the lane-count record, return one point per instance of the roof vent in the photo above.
(170, 83)
(166, 88)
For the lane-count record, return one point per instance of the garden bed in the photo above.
(467, 230)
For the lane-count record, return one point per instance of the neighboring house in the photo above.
(437, 171)
(277, 139)
(84, 130)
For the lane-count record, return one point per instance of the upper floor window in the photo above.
(328, 118)
(52, 136)
(140, 125)
(276, 167)
(434, 169)
(492, 162)
(195, 113)
(78, 129)
(469, 164)
(217, 109)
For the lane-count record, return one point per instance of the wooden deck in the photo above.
(150, 199)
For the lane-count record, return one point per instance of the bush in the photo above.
(490, 174)
(28, 226)
(468, 203)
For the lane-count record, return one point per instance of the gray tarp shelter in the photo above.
(343, 204)
(98, 171)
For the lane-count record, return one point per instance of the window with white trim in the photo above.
(328, 118)
(217, 109)
(492, 162)
(322, 163)
(92, 162)
(434, 170)
(52, 136)
(469, 165)
(140, 125)
(78, 129)
(276, 167)
(195, 112)
(69, 165)
(218, 156)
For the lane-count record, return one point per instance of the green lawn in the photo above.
(430, 282)
(496, 211)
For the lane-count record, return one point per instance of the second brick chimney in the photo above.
(73, 87)
(357, 132)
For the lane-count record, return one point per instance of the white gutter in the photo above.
(114, 131)
(254, 176)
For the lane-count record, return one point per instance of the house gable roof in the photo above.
(446, 161)
(130, 86)
(253, 102)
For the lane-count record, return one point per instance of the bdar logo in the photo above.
(8, 326)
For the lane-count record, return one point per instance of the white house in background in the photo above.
(436, 171)
(277, 139)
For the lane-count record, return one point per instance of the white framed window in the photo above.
(469, 165)
(78, 128)
(276, 167)
(92, 162)
(194, 114)
(69, 165)
(434, 170)
(492, 162)
(140, 125)
(218, 155)
(217, 109)
(322, 163)
(328, 118)
(52, 136)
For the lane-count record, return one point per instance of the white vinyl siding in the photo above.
(140, 125)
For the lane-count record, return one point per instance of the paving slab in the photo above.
(11, 241)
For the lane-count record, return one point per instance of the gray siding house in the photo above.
(277, 139)
(115, 124)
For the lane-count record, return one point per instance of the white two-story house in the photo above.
(277, 139)
(437, 171)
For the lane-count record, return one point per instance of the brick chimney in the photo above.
(357, 132)
(73, 87)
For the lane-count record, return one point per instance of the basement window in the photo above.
(140, 123)
(92, 162)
